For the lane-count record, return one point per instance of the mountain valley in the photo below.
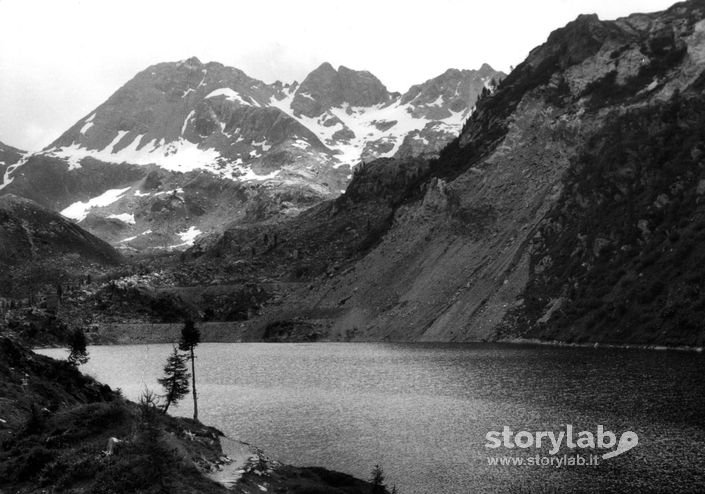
(478, 215)
(489, 236)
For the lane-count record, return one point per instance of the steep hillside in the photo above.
(29, 232)
(569, 191)
(619, 257)
(41, 248)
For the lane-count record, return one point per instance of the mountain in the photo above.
(185, 147)
(39, 245)
(326, 88)
(569, 208)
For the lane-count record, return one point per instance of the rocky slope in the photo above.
(185, 147)
(40, 249)
(29, 232)
(569, 208)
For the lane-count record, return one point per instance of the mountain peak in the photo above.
(485, 67)
(458, 88)
(324, 69)
(587, 18)
(326, 88)
(192, 61)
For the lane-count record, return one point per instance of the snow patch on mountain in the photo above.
(386, 124)
(187, 237)
(178, 190)
(79, 210)
(230, 95)
(301, 144)
(124, 217)
(249, 175)
(265, 147)
(129, 239)
(437, 102)
(87, 124)
(180, 155)
(186, 121)
(7, 177)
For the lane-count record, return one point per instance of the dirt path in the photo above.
(240, 454)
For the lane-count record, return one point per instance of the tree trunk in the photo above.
(168, 395)
(193, 386)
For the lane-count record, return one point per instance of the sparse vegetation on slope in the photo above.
(63, 431)
(619, 257)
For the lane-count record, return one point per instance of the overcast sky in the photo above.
(59, 59)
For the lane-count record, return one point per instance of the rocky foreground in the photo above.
(56, 426)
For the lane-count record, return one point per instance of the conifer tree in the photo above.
(78, 354)
(175, 380)
(190, 338)
(377, 481)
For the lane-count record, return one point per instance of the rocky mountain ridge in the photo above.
(207, 133)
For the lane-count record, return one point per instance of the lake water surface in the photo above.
(422, 411)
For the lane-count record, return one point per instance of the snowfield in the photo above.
(124, 217)
(347, 131)
(79, 210)
(362, 122)
(230, 95)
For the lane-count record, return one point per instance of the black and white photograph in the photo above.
(371, 247)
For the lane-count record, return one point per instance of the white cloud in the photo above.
(59, 59)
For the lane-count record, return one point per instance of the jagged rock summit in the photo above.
(325, 88)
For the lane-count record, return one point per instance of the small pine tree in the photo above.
(78, 354)
(175, 380)
(377, 481)
(190, 338)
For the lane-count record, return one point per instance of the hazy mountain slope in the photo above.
(509, 219)
(30, 233)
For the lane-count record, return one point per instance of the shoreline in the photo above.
(508, 342)
(597, 345)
